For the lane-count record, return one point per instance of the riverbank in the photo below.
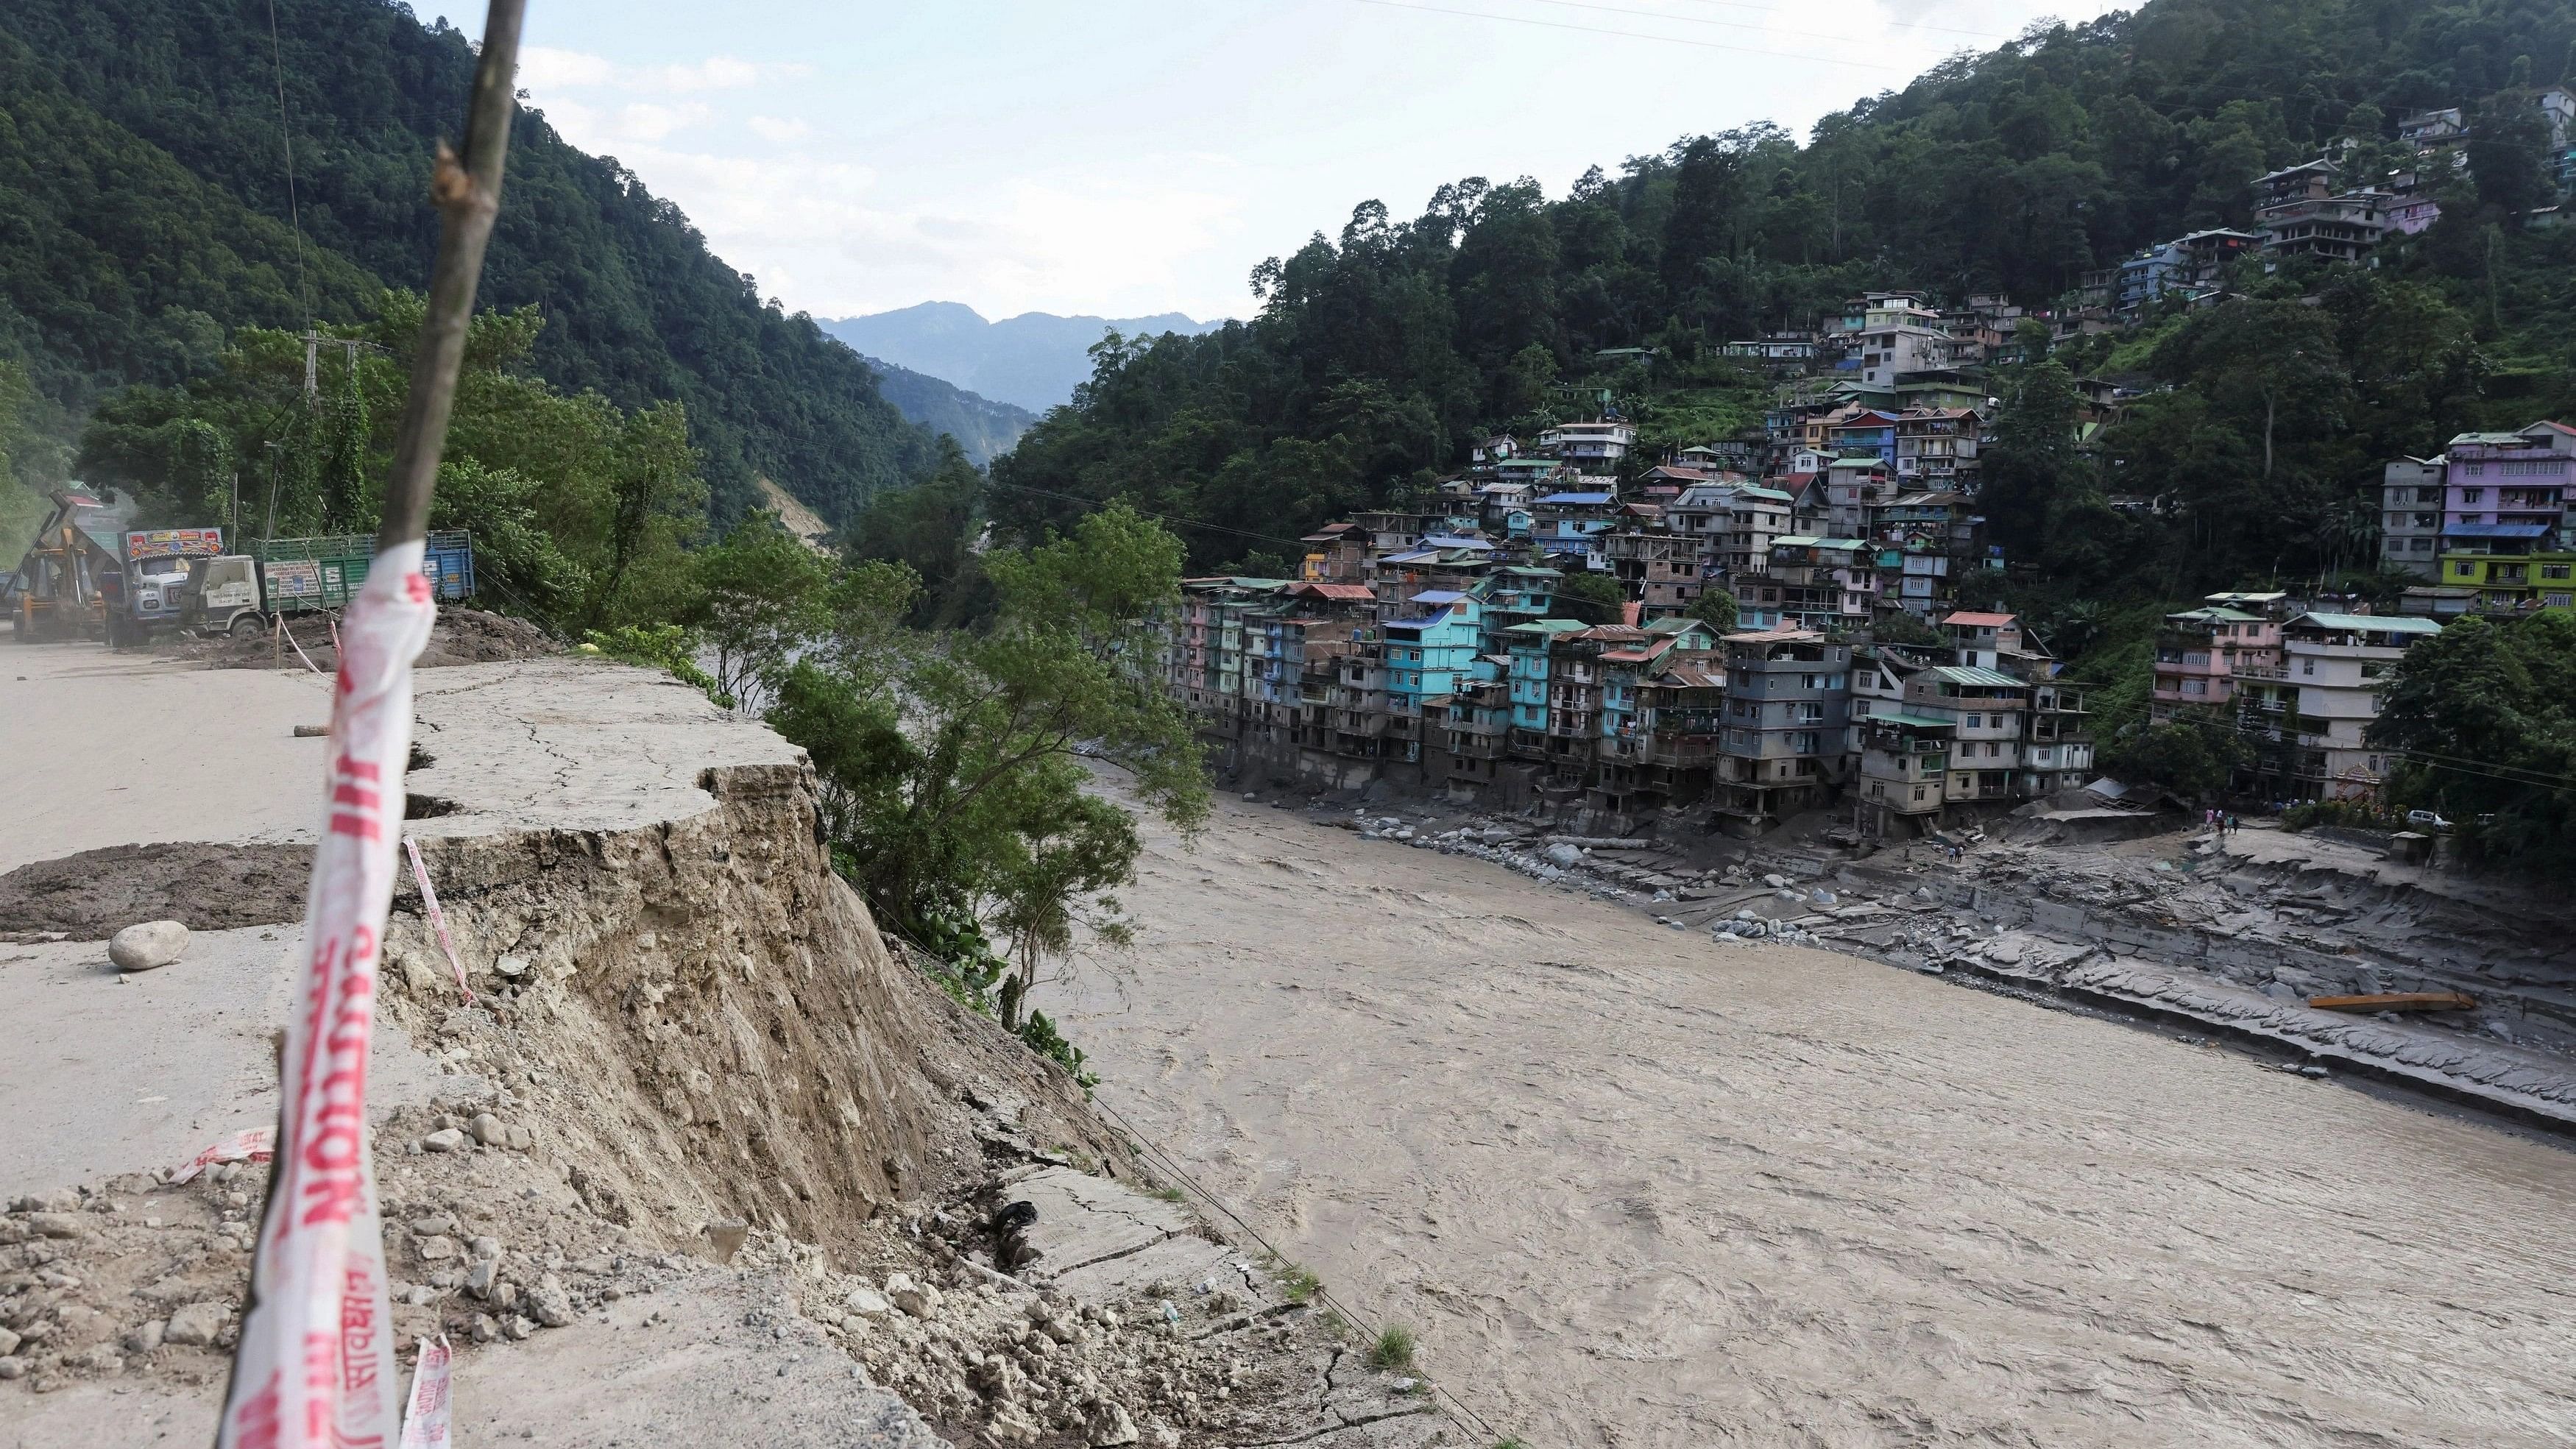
(1638, 1187)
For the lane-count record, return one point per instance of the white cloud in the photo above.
(825, 233)
(544, 68)
(772, 129)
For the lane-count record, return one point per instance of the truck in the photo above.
(240, 593)
(159, 583)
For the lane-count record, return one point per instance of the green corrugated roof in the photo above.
(1923, 720)
(2379, 623)
(1547, 626)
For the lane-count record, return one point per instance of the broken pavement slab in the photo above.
(1103, 1240)
(715, 1360)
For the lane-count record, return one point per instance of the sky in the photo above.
(1130, 157)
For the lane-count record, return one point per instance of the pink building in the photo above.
(2204, 655)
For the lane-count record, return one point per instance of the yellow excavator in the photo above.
(71, 583)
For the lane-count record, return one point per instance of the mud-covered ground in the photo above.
(462, 636)
(1638, 1188)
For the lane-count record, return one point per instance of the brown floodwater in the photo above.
(1632, 1188)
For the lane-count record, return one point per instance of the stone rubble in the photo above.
(2176, 927)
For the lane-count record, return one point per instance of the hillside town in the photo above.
(1429, 647)
(1805, 617)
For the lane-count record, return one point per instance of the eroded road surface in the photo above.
(1634, 1188)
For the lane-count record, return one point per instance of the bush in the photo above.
(667, 647)
(1042, 1037)
(2344, 814)
(1392, 1348)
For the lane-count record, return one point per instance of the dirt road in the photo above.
(1637, 1189)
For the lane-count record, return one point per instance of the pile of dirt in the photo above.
(463, 636)
(92, 895)
(474, 636)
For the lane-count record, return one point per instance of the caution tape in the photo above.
(425, 1416)
(251, 1144)
(315, 1368)
(437, 917)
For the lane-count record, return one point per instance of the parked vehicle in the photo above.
(160, 580)
(2427, 820)
(242, 593)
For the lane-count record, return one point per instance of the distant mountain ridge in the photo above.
(1034, 360)
(985, 429)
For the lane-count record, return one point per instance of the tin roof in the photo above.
(2370, 623)
(1969, 674)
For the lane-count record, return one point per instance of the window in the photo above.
(1918, 792)
(2460, 567)
(1976, 721)
(2307, 666)
(2195, 686)
(2554, 571)
(2473, 495)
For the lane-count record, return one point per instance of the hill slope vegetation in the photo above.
(141, 164)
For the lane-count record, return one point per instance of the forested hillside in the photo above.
(142, 181)
(1380, 352)
(984, 429)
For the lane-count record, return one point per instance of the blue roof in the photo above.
(2495, 530)
(1577, 498)
(1451, 540)
(1416, 556)
(1437, 596)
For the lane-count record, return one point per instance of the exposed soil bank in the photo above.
(1640, 1189)
(699, 1160)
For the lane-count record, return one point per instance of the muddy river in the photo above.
(1632, 1188)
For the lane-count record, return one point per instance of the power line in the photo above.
(1638, 35)
(1154, 1150)
(1704, 20)
(286, 140)
(1905, 24)
(1296, 543)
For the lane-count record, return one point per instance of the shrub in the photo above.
(1392, 1348)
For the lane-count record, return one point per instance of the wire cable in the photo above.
(1454, 1406)
(286, 140)
(1899, 22)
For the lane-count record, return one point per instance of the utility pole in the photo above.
(312, 350)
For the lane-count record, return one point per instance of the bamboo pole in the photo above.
(468, 194)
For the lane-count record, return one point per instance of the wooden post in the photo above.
(468, 193)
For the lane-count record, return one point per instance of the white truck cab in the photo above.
(230, 596)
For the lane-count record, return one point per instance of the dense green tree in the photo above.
(579, 507)
(2485, 716)
(954, 766)
(141, 169)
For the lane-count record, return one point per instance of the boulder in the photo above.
(196, 1324)
(147, 946)
(1110, 1425)
(549, 1302)
(918, 1299)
